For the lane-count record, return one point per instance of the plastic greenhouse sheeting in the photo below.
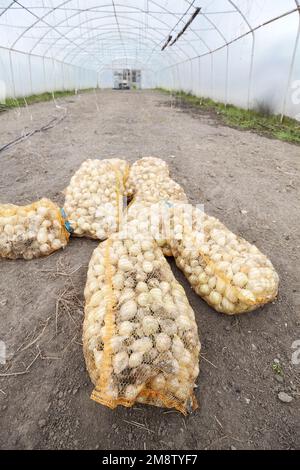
(243, 52)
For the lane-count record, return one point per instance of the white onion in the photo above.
(135, 359)
(158, 383)
(143, 299)
(131, 392)
(147, 267)
(240, 279)
(125, 264)
(126, 328)
(120, 362)
(142, 345)
(128, 310)
(150, 325)
(142, 287)
(162, 342)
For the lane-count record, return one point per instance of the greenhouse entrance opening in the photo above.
(127, 79)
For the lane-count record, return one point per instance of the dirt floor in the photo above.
(250, 182)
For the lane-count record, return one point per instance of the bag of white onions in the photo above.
(228, 272)
(145, 169)
(140, 338)
(94, 198)
(31, 231)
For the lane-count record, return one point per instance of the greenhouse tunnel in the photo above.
(225, 46)
(149, 226)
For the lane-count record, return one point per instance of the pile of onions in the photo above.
(140, 337)
(31, 231)
(94, 198)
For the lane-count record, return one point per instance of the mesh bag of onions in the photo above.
(228, 272)
(153, 190)
(140, 338)
(94, 198)
(31, 231)
(143, 170)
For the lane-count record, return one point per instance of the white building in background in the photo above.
(128, 79)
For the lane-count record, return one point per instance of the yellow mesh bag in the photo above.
(140, 338)
(228, 272)
(31, 231)
(94, 198)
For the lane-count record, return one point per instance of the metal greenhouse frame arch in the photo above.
(70, 36)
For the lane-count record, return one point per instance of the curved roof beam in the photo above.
(90, 10)
(40, 19)
(241, 36)
(181, 19)
(131, 41)
(96, 36)
(130, 19)
(6, 9)
(94, 19)
(108, 34)
(137, 21)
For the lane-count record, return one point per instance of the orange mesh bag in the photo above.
(94, 198)
(228, 272)
(140, 338)
(31, 231)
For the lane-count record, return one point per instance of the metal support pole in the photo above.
(192, 81)
(200, 81)
(30, 74)
(45, 76)
(291, 69)
(12, 75)
(227, 77)
(212, 76)
(62, 76)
